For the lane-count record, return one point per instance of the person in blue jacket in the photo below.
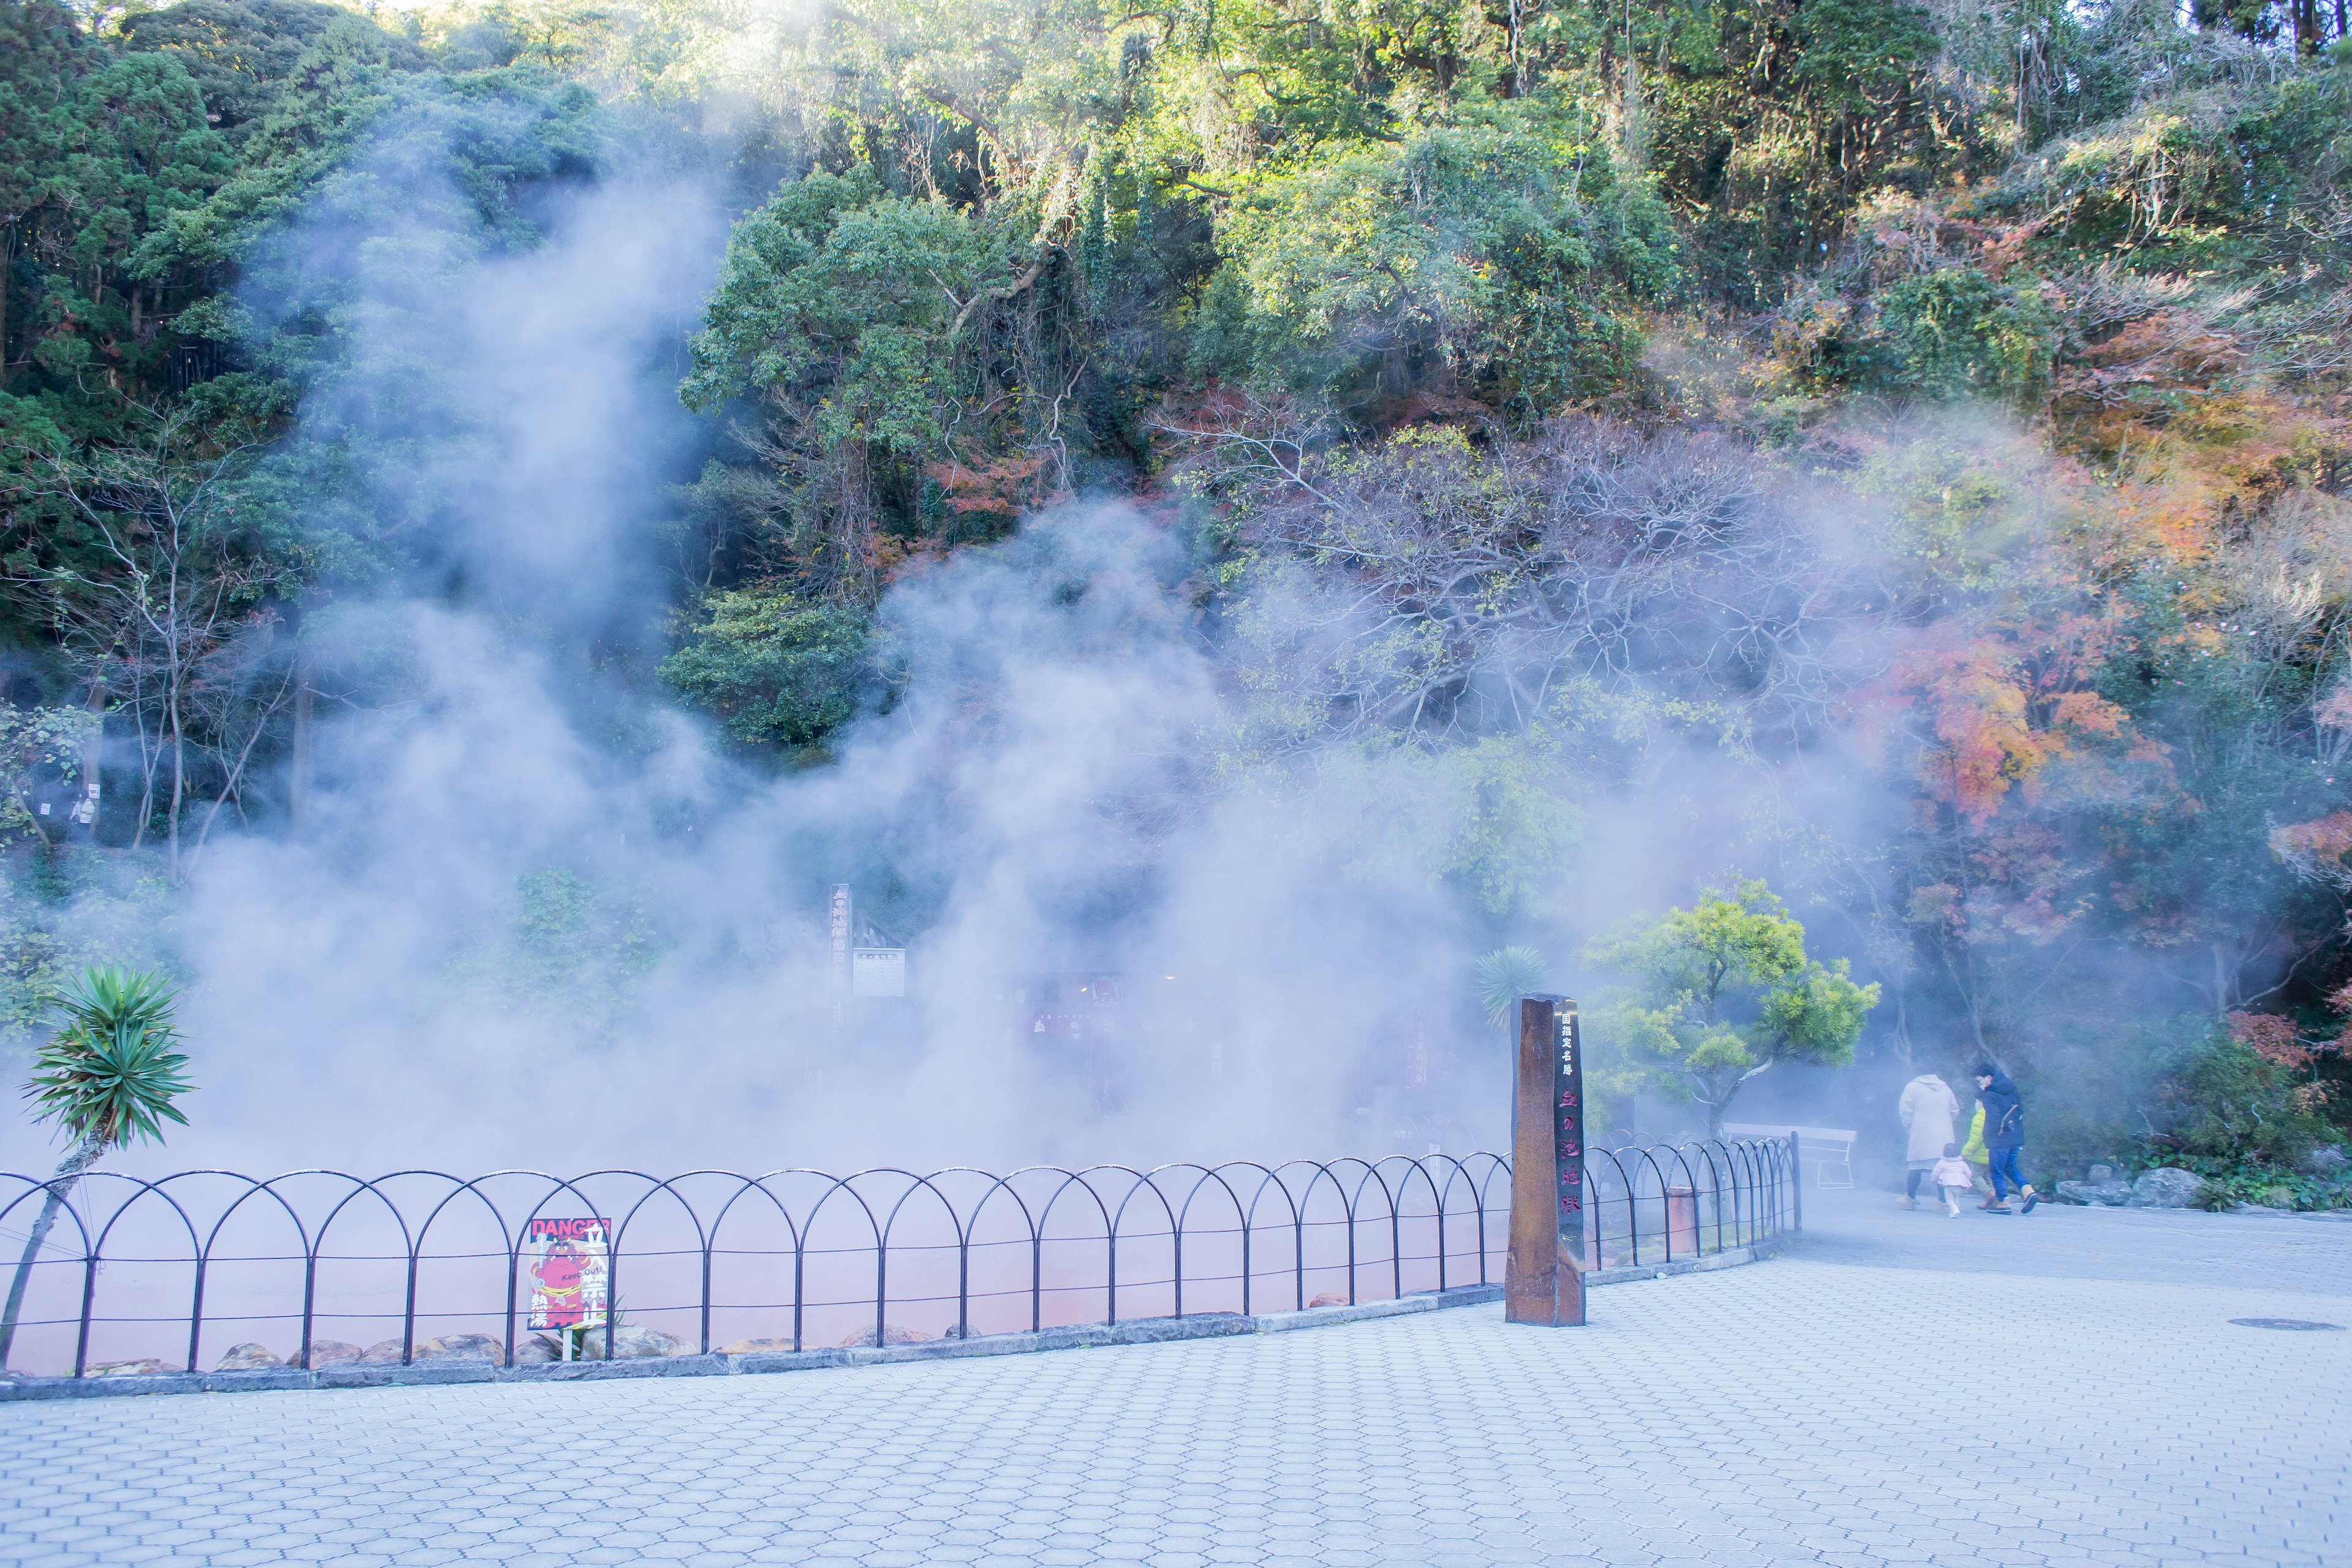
(2004, 1138)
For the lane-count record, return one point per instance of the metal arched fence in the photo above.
(309, 1268)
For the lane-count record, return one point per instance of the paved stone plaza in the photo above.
(2058, 1388)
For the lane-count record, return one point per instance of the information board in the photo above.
(571, 1272)
(879, 971)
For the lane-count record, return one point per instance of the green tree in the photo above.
(243, 53)
(1496, 256)
(167, 585)
(108, 1077)
(99, 154)
(777, 669)
(1723, 991)
(842, 312)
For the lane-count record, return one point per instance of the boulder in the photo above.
(144, 1366)
(247, 1357)
(1328, 1299)
(2167, 1188)
(464, 1347)
(892, 1334)
(631, 1340)
(381, 1351)
(757, 1347)
(2113, 1193)
(2326, 1162)
(2102, 1174)
(339, 1352)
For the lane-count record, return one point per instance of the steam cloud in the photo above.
(536, 917)
(378, 992)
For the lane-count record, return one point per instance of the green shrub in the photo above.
(779, 669)
(571, 936)
(2226, 1188)
(2175, 1090)
(2225, 1103)
(1956, 333)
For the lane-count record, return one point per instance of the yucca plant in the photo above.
(1505, 975)
(108, 1077)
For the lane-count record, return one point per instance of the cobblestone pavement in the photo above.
(1903, 1388)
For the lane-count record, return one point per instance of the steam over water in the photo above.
(535, 918)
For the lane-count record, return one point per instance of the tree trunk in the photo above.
(69, 1168)
(149, 761)
(1902, 1026)
(179, 780)
(93, 753)
(1634, 131)
(297, 792)
(33, 814)
(1714, 1092)
(2225, 988)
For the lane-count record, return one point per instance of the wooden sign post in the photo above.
(1543, 1279)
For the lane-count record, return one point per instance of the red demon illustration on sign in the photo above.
(570, 1270)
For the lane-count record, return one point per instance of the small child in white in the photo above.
(1953, 1177)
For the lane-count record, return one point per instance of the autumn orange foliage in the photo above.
(1985, 722)
(2271, 1037)
(2318, 850)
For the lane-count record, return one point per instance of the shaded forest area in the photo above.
(1935, 414)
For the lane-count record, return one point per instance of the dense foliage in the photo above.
(1947, 398)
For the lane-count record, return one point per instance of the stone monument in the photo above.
(1543, 1277)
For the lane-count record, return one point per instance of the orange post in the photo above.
(1682, 1223)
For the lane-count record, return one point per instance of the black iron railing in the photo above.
(166, 1273)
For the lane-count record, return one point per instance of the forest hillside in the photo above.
(1883, 461)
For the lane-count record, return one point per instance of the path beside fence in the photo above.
(1920, 1403)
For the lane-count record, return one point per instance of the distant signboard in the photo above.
(837, 934)
(571, 1272)
(879, 971)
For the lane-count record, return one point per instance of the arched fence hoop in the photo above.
(167, 1273)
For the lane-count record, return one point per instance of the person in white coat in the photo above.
(1929, 1108)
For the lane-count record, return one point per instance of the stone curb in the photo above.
(1141, 1331)
(1731, 1258)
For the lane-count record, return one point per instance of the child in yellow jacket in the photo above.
(1978, 1157)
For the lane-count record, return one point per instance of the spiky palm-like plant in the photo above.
(108, 1077)
(1505, 975)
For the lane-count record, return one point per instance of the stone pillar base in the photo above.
(1551, 1297)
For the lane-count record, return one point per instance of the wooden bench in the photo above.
(1828, 1150)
